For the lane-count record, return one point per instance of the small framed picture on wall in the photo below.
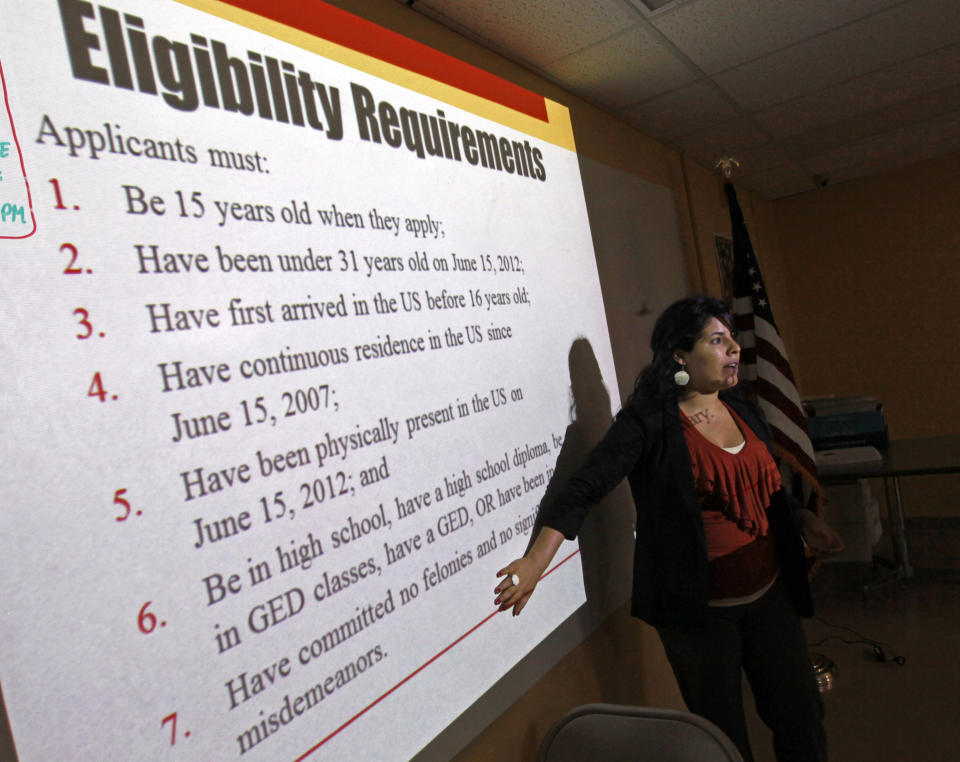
(724, 247)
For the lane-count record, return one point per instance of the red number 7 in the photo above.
(173, 730)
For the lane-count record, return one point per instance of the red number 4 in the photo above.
(96, 388)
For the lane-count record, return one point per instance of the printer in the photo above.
(841, 422)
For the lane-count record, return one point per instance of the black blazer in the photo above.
(671, 577)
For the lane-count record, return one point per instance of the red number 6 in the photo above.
(146, 621)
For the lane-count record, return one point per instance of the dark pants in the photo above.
(765, 639)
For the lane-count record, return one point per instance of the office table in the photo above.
(921, 456)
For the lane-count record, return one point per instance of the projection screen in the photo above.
(286, 302)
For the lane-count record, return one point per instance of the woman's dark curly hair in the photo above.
(678, 327)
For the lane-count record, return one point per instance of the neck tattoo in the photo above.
(700, 417)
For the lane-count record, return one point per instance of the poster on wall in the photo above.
(723, 245)
(286, 302)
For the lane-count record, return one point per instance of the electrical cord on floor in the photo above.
(880, 649)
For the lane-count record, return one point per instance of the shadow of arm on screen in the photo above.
(606, 537)
(7, 750)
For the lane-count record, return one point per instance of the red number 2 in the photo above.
(71, 269)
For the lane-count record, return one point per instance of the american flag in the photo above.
(763, 359)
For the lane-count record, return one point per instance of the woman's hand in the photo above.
(520, 577)
(820, 537)
(527, 573)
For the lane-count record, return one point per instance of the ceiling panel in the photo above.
(721, 34)
(756, 160)
(916, 111)
(624, 69)
(782, 181)
(888, 145)
(730, 137)
(537, 31)
(876, 42)
(870, 92)
(791, 88)
(878, 164)
(682, 111)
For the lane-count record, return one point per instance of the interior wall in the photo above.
(871, 268)
(882, 253)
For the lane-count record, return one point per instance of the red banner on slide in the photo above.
(343, 28)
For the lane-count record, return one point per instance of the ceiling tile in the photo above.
(680, 112)
(912, 111)
(869, 92)
(625, 69)
(895, 160)
(536, 31)
(780, 182)
(762, 159)
(720, 34)
(897, 34)
(800, 87)
(893, 146)
(732, 137)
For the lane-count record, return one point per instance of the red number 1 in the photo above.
(56, 192)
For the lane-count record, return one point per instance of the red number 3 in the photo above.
(85, 322)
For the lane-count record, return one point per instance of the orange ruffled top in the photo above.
(734, 491)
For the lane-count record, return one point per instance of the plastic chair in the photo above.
(612, 732)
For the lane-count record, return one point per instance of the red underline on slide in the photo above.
(343, 28)
(422, 667)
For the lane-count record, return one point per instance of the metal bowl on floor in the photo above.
(825, 671)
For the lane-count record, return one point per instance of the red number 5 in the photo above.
(118, 500)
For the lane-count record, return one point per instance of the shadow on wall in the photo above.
(606, 538)
(608, 531)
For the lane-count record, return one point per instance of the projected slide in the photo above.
(286, 304)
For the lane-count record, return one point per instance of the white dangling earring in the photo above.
(681, 377)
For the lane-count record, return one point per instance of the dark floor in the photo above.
(878, 711)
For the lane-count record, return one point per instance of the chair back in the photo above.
(621, 733)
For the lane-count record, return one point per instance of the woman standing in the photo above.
(719, 567)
